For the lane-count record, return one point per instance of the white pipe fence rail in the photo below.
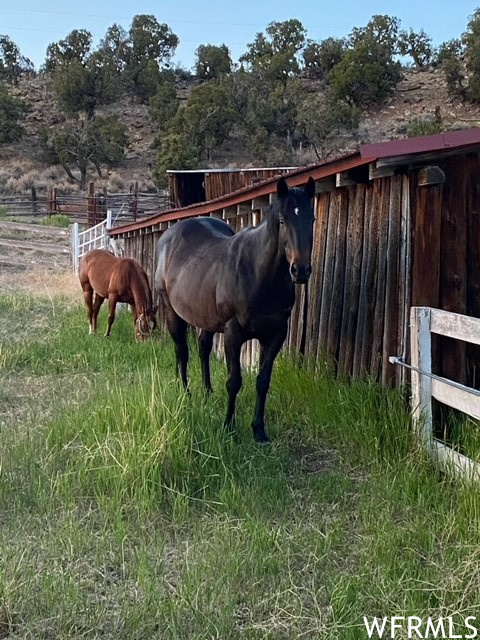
(426, 386)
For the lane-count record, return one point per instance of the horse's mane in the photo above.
(143, 277)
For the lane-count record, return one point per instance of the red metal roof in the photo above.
(264, 188)
(423, 144)
(366, 154)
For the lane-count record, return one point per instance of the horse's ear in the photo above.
(310, 187)
(282, 188)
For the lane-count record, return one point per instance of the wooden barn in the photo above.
(397, 225)
(199, 185)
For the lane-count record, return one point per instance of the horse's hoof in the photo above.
(262, 439)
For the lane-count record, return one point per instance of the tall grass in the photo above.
(127, 512)
(56, 220)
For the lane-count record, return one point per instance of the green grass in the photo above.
(56, 220)
(126, 512)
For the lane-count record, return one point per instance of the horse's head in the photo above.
(145, 323)
(296, 218)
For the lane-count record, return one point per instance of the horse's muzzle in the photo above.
(300, 273)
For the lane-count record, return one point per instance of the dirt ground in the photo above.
(39, 281)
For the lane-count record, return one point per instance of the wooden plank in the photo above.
(427, 206)
(420, 348)
(378, 312)
(371, 279)
(353, 266)
(375, 172)
(473, 261)
(453, 265)
(455, 325)
(363, 294)
(328, 273)
(404, 280)
(229, 212)
(301, 301)
(390, 331)
(343, 179)
(363, 337)
(260, 202)
(426, 209)
(336, 299)
(316, 279)
(294, 325)
(455, 463)
(459, 397)
(328, 184)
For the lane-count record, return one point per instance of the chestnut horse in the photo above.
(119, 280)
(240, 284)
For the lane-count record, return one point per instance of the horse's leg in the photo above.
(177, 328)
(268, 352)
(88, 297)
(95, 310)
(112, 304)
(233, 339)
(205, 344)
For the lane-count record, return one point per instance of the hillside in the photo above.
(420, 94)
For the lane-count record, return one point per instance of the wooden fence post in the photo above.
(135, 201)
(421, 355)
(91, 205)
(52, 201)
(34, 200)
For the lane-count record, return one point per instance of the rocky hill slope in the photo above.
(419, 95)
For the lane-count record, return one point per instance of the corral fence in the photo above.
(89, 207)
(426, 386)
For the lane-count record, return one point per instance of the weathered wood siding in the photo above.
(446, 258)
(379, 248)
(217, 183)
(354, 317)
(221, 183)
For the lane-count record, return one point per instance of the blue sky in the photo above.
(33, 25)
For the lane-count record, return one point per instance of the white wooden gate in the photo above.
(93, 238)
(425, 385)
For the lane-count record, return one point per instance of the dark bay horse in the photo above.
(240, 284)
(119, 280)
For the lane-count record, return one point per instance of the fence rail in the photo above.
(87, 207)
(426, 386)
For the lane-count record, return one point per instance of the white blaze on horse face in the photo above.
(143, 327)
(296, 211)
